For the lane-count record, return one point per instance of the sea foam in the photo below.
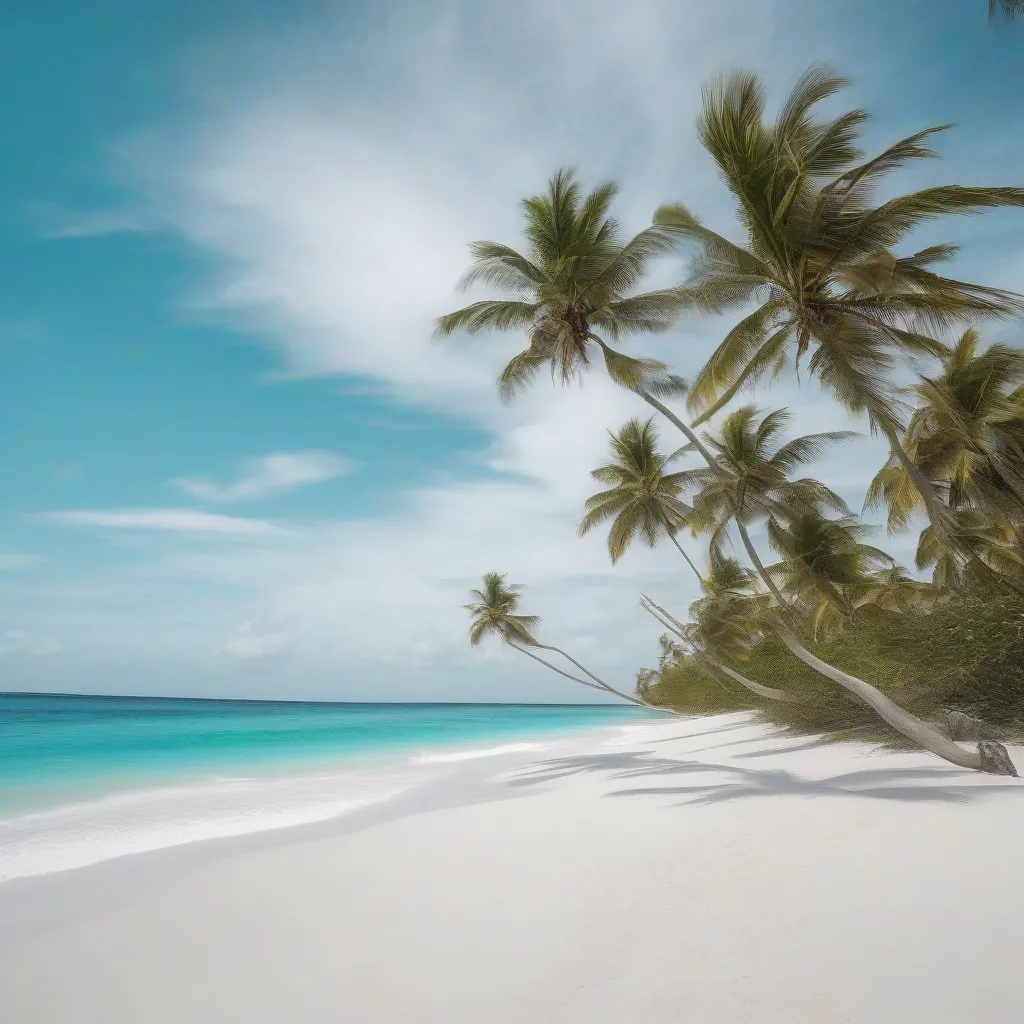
(451, 756)
(78, 835)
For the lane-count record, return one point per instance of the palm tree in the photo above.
(966, 435)
(494, 611)
(749, 477)
(725, 622)
(994, 545)
(819, 257)
(891, 589)
(577, 277)
(741, 489)
(824, 566)
(642, 498)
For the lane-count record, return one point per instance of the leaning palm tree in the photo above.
(494, 611)
(818, 258)
(576, 277)
(752, 492)
(642, 499)
(891, 588)
(725, 623)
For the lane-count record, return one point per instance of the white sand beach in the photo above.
(703, 870)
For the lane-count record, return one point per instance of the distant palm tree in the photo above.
(494, 611)
(892, 589)
(643, 499)
(994, 545)
(818, 258)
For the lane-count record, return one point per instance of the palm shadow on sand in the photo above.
(918, 784)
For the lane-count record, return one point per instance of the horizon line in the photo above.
(272, 700)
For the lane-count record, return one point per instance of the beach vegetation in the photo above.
(823, 278)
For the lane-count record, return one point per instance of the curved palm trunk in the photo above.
(748, 545)
(762, 691)
(902, 721)
(679, 424)
(673, 627)
(681, 551)
(890, 712)
(597, 684)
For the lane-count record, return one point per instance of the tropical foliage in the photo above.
(819, 627)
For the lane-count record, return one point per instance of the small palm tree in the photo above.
(642, 498)
(494, 611)
(995, 546)
(750, 477)
(891, 589)
(819, 259)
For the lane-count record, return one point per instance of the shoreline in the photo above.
(700, 870)
(137, 814)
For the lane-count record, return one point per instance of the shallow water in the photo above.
(84, 779)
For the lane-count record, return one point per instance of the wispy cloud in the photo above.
(249, 641)
(19, 643)
(269, 476)
(179, 520)
(56, 223)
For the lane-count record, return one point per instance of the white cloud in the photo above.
(179, 520)
(18, 643)
(248, 641)
(269, 476)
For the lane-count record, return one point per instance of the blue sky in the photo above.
(234, 461)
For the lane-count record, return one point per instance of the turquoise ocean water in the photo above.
(83, 779)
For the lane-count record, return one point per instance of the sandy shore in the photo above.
(698, 871)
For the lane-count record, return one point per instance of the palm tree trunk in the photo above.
(762, 691)
(597, 684)
(997, 763)
(680, 425)
(759, 566)
(673, 627)
(902, 721)
(679, 548)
